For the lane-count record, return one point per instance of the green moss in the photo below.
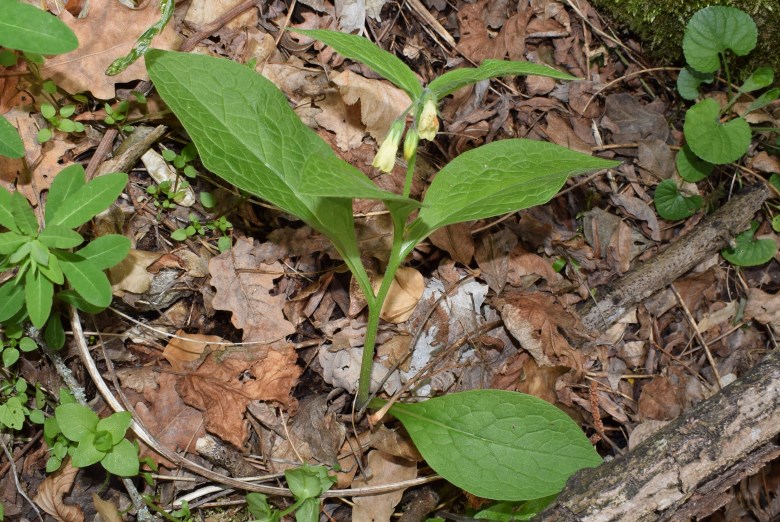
(660, 24)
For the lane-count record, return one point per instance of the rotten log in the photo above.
(683, 469)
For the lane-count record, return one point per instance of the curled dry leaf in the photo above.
(107, 510)
(456, 240)
(187, 348)
(384, 469)
(405, 291)
(52, 489)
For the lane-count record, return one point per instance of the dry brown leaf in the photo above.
(656, 157)
(53, 488)
(173, 423)
(536, 320)
(523, 264)
(381, 103)
(763, 307)
(131, 274)
(475, 42)
(492, 255)
(765, 163)
(384, 469)
(456, 240)
(343, 121)
(663, 397)
(138, 379)
(405, 291)
(638, 209)
(203, 12)
(107, 33)
(107, 510)
(561, 132)
(243, 286)
(633, 121)
(393, 443)
(319, 428)
(180, 351)
(223, 388)
(521, 373)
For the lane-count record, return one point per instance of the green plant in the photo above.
(60, 120)
(713, 134)
(181, 160)
(26, 28)
(246, 132)
(221, 225)
(42, 256)
(306, 483)
(76, 431)
(15, 404)
(168, 193)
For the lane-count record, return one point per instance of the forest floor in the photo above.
(492, 303)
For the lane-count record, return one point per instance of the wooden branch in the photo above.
(691, 454)
(711, 235)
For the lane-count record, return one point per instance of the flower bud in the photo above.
(410, 143)
(385, 157)
(428, 122)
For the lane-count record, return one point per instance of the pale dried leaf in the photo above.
(131, 274)
(381, 103)
(638, 209)
(204, 12)
(405, 291)
(107, 510)
(763, 307)
(52, 489)
(138, 379)
(384, 469)
(187, 348)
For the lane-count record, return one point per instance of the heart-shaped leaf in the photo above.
(451, 81)
(689, 80)
(500, 177)
(122, 460)
(360, 49)
(749, 251)
(714, 30)
(498, 444)
(672, 204)
(712, 141)
(691, 167)
(30, 29)
(75, 420)
(11, 145)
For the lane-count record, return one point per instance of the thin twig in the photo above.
(19, 488)
(698, 334)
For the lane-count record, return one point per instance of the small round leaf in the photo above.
(671, 204)
(689, 80)
(714, 30)
(691, 167)
(711, 140)
(749, 251)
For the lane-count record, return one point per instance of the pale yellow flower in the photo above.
(428, 122)
(385, 157)
(410, 143)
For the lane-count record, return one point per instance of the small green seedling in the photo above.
(168, 193)
(306, 483)
(221, 225)
(713, 136)
(76, 431)
(181, 161)
(14, 402)
(247, 133)
(59, 120)
(43, 255)
(117, 115)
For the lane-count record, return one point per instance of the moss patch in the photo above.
(661, 24)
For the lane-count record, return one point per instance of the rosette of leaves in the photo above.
(52, 261)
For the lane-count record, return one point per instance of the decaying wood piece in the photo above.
(684, 468)
(692, 453)
(708, 237)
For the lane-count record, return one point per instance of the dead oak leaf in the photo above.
(49, 496)
(222, 389)
(243, 286)
(108, 32)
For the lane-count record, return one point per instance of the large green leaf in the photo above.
(57, 236)
(38, 292)
(712, 141)
(451, 81)
(246, 133)
(714, 30)
(122, 460)
(23, 215)
(27, 28)
(360, 49)
(11, 241)
(87, 279)
(497, 178)
(65, 184)
(498, 444)
(672, 204)
(11, 145)
(748, 250)
(6, 216)
(106, 251)
(11, 299)
(89, 200)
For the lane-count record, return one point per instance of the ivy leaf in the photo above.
(690, 167)
(122, 460)
(362, 50)
(105, 251)
(672, 204)
(87, 279)
(65, 184)
(451, 81)
(11, 145)
(32, 30)
(89, 200)
(712, 141)
(75, 420)
(56, 236)
(497, 444)
(689, 80)
(500, 177)
(749, 251)
(714, 30)
(38, 293)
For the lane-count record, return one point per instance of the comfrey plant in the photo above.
(246, 133)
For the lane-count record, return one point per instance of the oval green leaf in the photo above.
(116, 424)
(27, 28)
(65, 184)
(86, 453)
(497, 178)
(362, 50)
(761, 77)
(711, 140)
(6, 216)
(451, 81)
(497, 444)
(54, 333)
(23, 215)
(106, 251)
(672, 204)
(11, 241)
(57, 236)
(11, 145)
(122, 460)
(87, 279)
(11, 299)
(38, 293)
(690, 167)
(75, 420)
(713, 31)
(689, 80)
(749, 251)
(89, 200)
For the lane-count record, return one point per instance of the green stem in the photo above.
(410, 174)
